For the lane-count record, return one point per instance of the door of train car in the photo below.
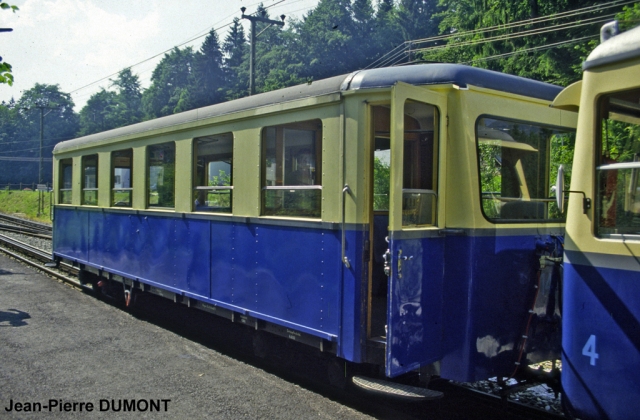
(408, 251)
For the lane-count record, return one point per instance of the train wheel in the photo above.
(129, 298)
(260, 344)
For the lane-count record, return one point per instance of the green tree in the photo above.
(326, 40)
(387, 34)
(5, 68)
(418, 18)
(629, 17)
(171, 89)
(129, 98)
(270, 45)
(209, 74)
(236, 61)
(60, 123)
(98, 114)
(519, 42)
(381, 183)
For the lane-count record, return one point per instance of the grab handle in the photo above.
(345, 260)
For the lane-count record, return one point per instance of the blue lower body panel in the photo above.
(285, 275)
(414, 318)
(488, 290)
(601, 342)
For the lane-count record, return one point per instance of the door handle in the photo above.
(400, 259)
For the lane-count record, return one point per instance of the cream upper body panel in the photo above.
(612, 67)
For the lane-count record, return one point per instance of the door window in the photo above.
(618, 167)
(419, 177)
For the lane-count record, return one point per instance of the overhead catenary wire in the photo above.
(511, 36)
(525, 50)
(541, 19)
(190, 40)
(392, 57)
(538, 48)
(502, 37)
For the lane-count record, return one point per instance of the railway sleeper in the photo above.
(527, 378)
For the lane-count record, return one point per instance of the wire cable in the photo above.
(170, 49)
(538, 48)
(511, 36)
(555, 16)
(394, 55)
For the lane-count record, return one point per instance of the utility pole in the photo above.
(252, 57)
(41, 140)
(42, 115)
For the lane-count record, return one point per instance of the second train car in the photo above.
(601, 342)
(394, 217)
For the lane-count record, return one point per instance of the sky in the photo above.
(81, 44)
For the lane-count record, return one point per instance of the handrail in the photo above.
(419, 191)
(292, 187)
(228, 187)
(345, 259)
(617, 166)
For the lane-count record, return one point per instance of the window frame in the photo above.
(600, 166)
(68, 162)
(314, 125)
(549, 200)
(113, 178)
(148, 165)
(196, 188)
(86, 190)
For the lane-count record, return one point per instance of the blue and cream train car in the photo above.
(393, 216)
(601, 313)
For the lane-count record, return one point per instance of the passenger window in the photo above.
(161, 160)
(518, 161)
(291, 169)
(213, 185)
(381, 158)
(66, 185)
(90, 180)
(121, 178)
(618, 166)
(419, 177)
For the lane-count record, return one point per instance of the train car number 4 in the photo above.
(589, 350)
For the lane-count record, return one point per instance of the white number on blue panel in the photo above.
(589, 350)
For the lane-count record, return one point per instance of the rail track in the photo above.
(25, 227)
(40, 259)
(460, 401)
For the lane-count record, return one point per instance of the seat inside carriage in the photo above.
(523, 210)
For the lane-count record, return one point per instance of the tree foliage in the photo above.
(21, 131)
(545, 40)
(171, 85)
(531, 38)
(5, 68)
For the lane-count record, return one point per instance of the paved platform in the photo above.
(66, 354)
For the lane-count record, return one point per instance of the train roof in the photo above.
(621, 47)
(422, 74)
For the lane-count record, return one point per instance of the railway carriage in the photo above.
(601, 314)
(393, 217)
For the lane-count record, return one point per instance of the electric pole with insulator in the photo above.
(252, 57)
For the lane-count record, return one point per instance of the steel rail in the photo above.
(42, 227)
(18, 250)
